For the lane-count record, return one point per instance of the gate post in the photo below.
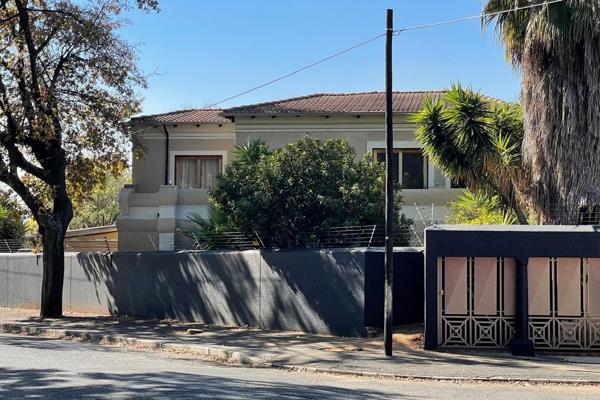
(521, 344)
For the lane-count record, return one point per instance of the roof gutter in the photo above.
(166, 154)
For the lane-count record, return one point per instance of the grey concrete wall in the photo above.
(319, 291)
(308, 290)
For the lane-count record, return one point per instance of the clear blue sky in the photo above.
(207, 50)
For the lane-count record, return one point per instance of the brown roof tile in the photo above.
(195, 116)
(331, 103)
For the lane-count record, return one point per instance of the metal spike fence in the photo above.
(346, 236)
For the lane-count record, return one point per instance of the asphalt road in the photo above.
(56, 369)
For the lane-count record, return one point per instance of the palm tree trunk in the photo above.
(560, 95)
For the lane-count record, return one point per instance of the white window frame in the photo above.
(409, 144)
(192, 153)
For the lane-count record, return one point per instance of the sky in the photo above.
(198, 52)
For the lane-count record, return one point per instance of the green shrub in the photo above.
(479, 209)
(12, 217)
(288, 196)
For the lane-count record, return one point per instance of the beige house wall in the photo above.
(148, 171)
(364, 132)
(152, 212)
(358, 130)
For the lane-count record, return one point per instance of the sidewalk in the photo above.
(301, 351)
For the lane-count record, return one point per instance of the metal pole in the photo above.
(388, 323)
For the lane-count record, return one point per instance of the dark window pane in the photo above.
(412, 170)
(380, 157)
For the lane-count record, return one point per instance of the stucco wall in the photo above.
(148, 171)
(364, 133)
(279, 131)
(321, 291)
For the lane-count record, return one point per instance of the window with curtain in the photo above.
(409, 167)
(196, 172)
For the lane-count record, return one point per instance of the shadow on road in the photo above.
(54, 383)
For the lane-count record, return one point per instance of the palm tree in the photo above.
(476, 140)
(556, 47)
(251, 153)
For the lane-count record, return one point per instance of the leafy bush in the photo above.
(12, 217)
(288, 196)
(479, 209)
(100, 206)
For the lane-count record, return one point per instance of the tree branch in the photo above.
(25, 30)
(12, 179)
(9, 140)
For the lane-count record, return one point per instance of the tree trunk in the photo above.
(53, 240)
(53, 228)
(560, 94)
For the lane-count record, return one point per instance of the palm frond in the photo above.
(252, 152)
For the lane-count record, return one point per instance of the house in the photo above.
(185, 150)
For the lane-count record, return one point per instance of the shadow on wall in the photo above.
(307, 290)
(215, 288)
(313, 291)
(409, 287)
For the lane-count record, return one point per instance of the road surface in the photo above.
(56, 369)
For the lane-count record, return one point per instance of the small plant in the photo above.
(204, 231)
(479, 209)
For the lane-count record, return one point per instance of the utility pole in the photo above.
(388, 323)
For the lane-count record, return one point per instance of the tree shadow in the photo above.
(310, 291)
(55, 383)
(220, 289)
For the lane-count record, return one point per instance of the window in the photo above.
(410, 167)
(380, 157)
(196, 171)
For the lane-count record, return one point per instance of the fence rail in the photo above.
(30, 243)
(11, 245)
(346, 236)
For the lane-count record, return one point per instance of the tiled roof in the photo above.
(195, 116)
(331, 103)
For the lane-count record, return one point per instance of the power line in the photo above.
(479, 16)
(396, 32)
(339, 53)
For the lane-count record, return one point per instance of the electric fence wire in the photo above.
(472, 17)
(372, 39)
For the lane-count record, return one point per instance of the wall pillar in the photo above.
(431, 291)
(124, 199)
(521, 344)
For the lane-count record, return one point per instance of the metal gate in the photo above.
(564, 303)
(477, 302)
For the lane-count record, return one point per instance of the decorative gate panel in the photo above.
(485, 317)
(477, 302)
(571, 321)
